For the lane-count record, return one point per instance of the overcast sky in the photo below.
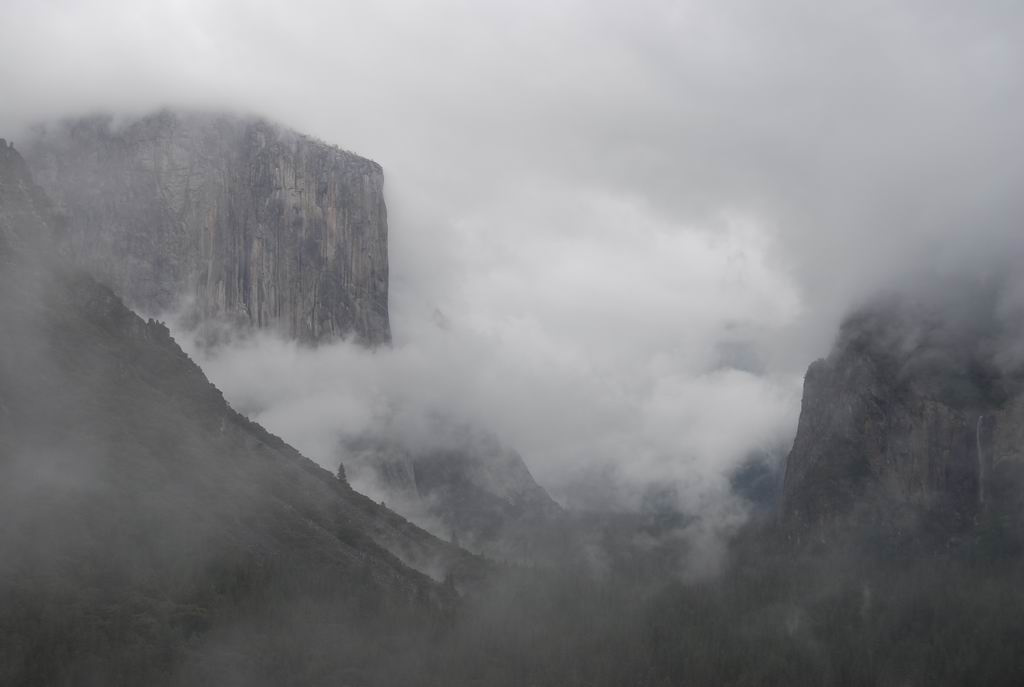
(638, 221)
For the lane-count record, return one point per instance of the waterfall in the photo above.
(981, 464)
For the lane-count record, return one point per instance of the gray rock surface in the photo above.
(132, 496)
(230, 219)
(69, 340)
(26, 214)
(907, 407)
(462, 484)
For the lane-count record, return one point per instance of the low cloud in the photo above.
(606, 372)
(640, 222)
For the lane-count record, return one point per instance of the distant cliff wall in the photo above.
(26, 214)
(465, 485)
(232, 219)
(909, 409)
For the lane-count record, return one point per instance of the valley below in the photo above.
(152, 534)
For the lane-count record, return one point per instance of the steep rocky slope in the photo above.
(912, 407)
(240, 222)
(230, 218)
(149, 533)
(462, 484)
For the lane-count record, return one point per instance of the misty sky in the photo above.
(619, 231)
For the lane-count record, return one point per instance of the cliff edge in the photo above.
(913, 407)
(223, 218)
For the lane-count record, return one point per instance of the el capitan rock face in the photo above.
(238, 221)
(147, 525)
(232, 219)
(912, 409)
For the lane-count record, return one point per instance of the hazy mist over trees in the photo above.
(572, 343)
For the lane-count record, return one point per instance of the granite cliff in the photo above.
(27, 217)
(151, 534)
(225, 218)
(913, 408)
(237, 221)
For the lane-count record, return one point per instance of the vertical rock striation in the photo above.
(910, 408)
(231, 219)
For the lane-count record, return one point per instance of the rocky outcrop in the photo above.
(909, 407)
(225, 218)
(461, 484)
(172, 533)
(26, 214)
(91, 343)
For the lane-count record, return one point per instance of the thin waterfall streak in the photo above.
(981, 464)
